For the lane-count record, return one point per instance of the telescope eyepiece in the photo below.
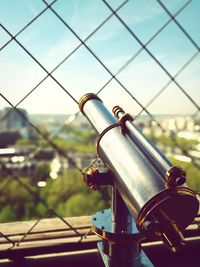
(175, 176)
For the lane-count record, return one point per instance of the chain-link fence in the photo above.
(141, 55)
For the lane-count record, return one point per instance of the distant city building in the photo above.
(13, 121)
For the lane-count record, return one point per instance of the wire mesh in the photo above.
(117, 49)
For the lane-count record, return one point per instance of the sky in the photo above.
(50, 40)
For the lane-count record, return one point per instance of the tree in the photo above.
(82, 204)
(192, 173)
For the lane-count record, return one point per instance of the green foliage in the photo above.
(23, 142)
(79, 135)
(76, 146)
(77, 140)
(79, 203)
(68, 195)
(166, 141)
(16, 202)
(7, 214)
(192, 171)
(62, 188)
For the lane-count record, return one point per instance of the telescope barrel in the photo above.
(140, 176)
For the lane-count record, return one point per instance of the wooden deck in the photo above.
(69, 235)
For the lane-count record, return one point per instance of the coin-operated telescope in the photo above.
(146, 188)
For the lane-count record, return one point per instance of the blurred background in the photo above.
(141, 55)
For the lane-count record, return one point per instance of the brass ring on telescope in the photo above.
(121, 124)
(103, 133)
(85, 98)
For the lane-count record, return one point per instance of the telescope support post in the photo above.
(120, 245)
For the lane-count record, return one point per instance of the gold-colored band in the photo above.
(85, 98)
(116, 110)
(117, 124)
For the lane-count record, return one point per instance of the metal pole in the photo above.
(121, 240)
(127, 253)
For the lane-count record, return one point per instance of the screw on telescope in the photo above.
(90, 177)
(95, 177)
(175, 176)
